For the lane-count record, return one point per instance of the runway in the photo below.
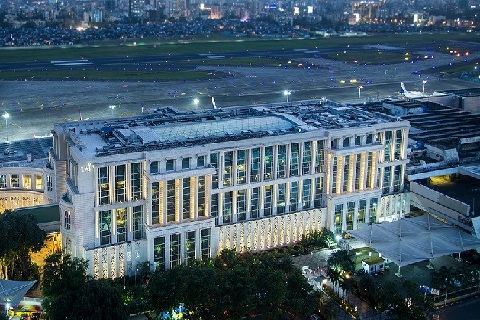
(35, 105)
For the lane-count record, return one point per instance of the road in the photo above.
(463, 310)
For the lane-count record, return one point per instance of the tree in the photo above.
(70, 294)
(233, 286)
(19, 235)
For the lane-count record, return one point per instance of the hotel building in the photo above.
(169, 187)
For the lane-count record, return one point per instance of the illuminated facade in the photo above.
(170, 187)
(26, 174)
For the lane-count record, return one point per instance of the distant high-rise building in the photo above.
(135, 8)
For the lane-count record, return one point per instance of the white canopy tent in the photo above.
(411, 240)
(12, 292)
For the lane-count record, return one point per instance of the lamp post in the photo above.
(287, 93)
(112, 107)
(6, 115)
(359, 90)
(423, 85)
(196, 101)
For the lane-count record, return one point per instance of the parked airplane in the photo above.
(411, 94)
(417, 94)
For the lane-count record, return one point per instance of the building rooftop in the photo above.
(24, 152)
(168, 128)
(445, 127)
(470, 92)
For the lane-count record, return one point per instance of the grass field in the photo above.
(192, 46)
(218, 46)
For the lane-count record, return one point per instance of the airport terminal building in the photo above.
(170, 187)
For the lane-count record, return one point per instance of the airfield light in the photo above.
(6, 116)
(287, 93)
(112, 108)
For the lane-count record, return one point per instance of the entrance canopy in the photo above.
(411, 240)
(12, 292)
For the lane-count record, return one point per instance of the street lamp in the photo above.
(112, 107)
(359, 89)
(423, 85)
(6, 115)
(287, 93)
(196, 101)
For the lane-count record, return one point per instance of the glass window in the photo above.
(154, 167)
(200, 161)
(293, 196)
(227, 207)
(307, 157)
(346, 170)
(66, 222)
(338, 218)
(186, 163)
(138, 228)
(255, 165)
(175, 245)
(120, 183)
(136, 181)
(387, 178)
(214, 207)
(205, 243)
(346, 142)
(103, 186)
(398, 144)
(214, 163)
(358, 172)
(358, 140)
(267, 203)
(306, 193)
(282, 161)
(190, 247)
(241, 166)
(371, 171)
(170, 200)
(281, 199)
(319, 159)
(350, 214)
(170, 165)
(27, 181)
(49, 183)
(228, 169)
(397, 178)
(105, 227)
(14, 181)
(369, 138)
(159, 253)
(362, 205)
(318, 200)
(241, 205)
(155, 203)
(268, 164)
(294, 159)
(121, 224)
(186, 198)
(201, 196)
(388, 145)
(334, 174)
(38, 182)
(3, 181)
(255, 203)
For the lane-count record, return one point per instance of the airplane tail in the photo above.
(403, 87)
(214, 106)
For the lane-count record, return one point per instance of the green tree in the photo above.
(19, 235)
(70, 294)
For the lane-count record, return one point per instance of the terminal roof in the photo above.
(167, 128)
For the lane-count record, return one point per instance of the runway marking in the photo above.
(70, 62)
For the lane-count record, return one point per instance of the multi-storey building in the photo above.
(26, 174)
(171, 187)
